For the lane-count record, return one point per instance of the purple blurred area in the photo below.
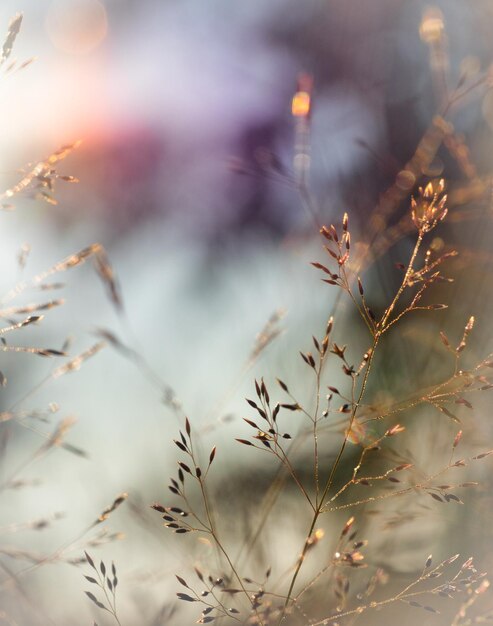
(171, 92)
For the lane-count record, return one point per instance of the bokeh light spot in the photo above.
(405, 180)
(432, 26)
(433, 169)
(76, 26)
(300, 106)
(437, 244)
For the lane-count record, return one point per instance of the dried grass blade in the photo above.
(12, 32)
(75, 363)
(107, 275)
(31, 308)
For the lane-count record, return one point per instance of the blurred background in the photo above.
(207, 193)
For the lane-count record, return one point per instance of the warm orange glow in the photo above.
(76, 27)
(300, 106)
(432, 26)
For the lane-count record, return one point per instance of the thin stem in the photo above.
(111, 604)
(362, 311)
(223, 550)
(285, 459)
(383, 322)
(329, 482)
(380, 328)
(315, 434)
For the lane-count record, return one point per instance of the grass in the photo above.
(283, 603)
(339, 443)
